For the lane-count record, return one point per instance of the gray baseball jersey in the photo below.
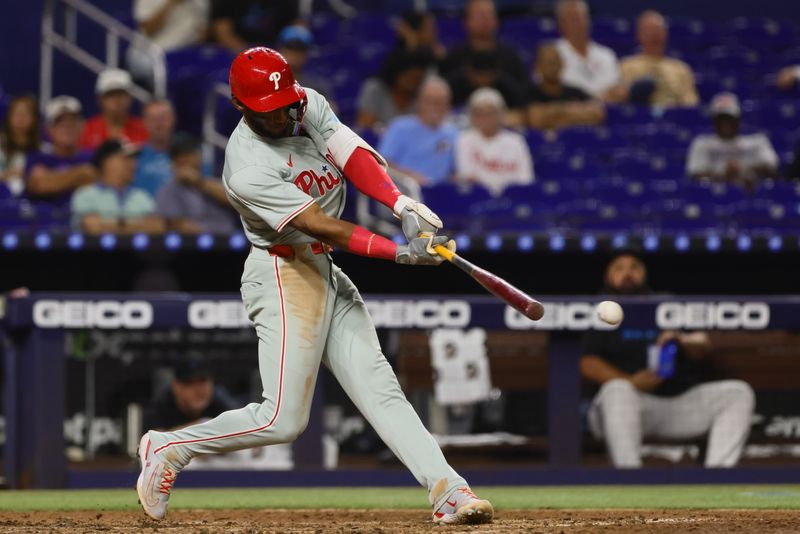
(306, 311)
(270, 181)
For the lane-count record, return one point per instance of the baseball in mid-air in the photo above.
(610, 312)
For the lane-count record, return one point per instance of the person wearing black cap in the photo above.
(190, 202)
(111, 205)
(191, 397)
(650, 383)
(728, 155)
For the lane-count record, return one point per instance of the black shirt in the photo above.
(163, 414)
(568, 94)
(505, 57)
(626, 349)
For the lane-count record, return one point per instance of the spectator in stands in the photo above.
(112, 205)
(190, 202)
(294, 42)
(393, 91)
(191, 397)
(488, 155)
(52, 176)
(19, 138)
(153, 167)
(481, 24)
(588, 65)
(788, 77)
(114, 120)
(727, 155)
(416, 31)
(170, 24)
(640, 398)
(237, 24)
(651, 77)
(482, 71)
(551, 103)
(422, 145)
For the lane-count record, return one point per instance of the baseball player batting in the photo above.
(284, 169)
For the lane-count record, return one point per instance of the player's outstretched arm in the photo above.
(357, 240)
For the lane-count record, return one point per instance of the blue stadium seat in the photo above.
(691, 118)
(761, 32)
(778, 191)
(627, 114)
(451, 31)
(526, 32)
(325, 27)
(765, 216)
(692, 34)
(453, 202)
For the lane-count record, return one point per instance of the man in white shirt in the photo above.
(171, 24)
(727, 156)
(487, 154)
(588, 65)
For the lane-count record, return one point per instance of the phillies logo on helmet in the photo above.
(275, 77)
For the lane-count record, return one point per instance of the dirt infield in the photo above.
(402, 521)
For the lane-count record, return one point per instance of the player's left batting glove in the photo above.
(417, 252)
(416, 217)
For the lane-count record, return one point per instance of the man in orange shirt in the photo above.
(114, 120)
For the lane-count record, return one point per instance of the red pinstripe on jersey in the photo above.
(280, 383)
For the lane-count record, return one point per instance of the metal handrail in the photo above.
(211, 137)
(115, 30)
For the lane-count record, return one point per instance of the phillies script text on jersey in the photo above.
(307, 180)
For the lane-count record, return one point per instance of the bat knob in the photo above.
(534, 311)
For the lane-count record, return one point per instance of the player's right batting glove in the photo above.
(416, 217)
(416, 252)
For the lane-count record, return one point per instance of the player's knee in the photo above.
(618, 388)
(740, 393)
(288, 430)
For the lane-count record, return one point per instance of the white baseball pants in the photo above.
(623, 416)
(307, 311)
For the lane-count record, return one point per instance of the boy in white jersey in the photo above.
(283, 174)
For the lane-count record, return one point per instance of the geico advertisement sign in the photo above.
(218, 314)
(724, 315)
(720, 315)
(558, 316)
(133, 314)
(419, 313)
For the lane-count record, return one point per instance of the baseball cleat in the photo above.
(155, 481)
(463, 507)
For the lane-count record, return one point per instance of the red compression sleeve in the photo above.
(364, 172)
(365, 243)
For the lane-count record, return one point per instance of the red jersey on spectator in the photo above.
(96, 131)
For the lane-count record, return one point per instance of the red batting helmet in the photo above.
(262, 80)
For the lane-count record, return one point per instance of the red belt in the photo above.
(289, 251)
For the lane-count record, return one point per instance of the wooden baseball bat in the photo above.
(526, 305)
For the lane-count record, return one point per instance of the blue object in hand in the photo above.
(666, 359)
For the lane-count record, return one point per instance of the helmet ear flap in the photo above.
(297, 111)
